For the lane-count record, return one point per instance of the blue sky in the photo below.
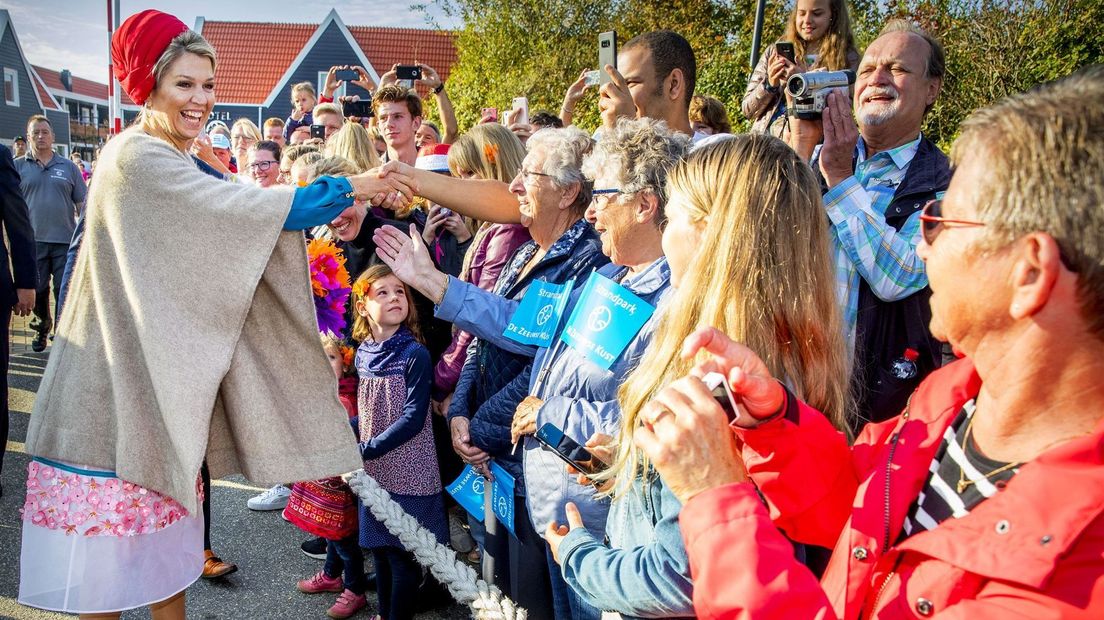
(72, 34)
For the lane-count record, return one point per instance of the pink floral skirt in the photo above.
(93, 542)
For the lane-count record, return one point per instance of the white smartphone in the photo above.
(718, 387)
(522, 103)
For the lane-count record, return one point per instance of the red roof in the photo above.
(43, 95)
(81, 86)
(253, 56)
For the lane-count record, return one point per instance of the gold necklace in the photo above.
(963, 481)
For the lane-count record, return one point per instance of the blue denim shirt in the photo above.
(579, 397)
(645, 572)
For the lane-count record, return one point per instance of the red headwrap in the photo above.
(137, 45)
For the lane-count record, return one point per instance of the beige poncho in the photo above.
(189, 331)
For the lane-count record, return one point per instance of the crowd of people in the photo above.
(825, 397)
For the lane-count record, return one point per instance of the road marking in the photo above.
(10, 608)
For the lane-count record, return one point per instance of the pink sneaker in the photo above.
(347, 604)
(320, 583)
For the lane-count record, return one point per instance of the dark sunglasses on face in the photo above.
(932, 221)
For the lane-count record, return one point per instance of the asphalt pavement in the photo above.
(262, 544)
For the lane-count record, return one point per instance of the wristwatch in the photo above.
(437, 91)
(770, 89)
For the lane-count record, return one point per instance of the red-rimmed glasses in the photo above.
(932, 217)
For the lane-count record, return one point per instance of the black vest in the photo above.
(884, 329)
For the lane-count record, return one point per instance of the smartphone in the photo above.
(722, 393)
(347, 75)
(490, 114)
(408, 72)
(318, 131)
(445, 212)
(522, 103)
(607, 54)
(569, 450)
(785, 49)
(362, 109)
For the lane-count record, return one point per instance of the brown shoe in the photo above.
(214, 567)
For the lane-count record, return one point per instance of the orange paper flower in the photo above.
(490, 151)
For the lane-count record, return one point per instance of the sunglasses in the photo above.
(931, 217)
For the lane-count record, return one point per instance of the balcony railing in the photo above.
(87, 132)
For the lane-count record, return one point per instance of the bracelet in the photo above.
(439, 89)
(770, 89)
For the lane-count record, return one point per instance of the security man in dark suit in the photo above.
(16, 293)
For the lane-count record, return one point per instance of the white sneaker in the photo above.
(273, 499)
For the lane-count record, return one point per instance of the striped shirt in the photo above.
(957, 459)
(865, 246)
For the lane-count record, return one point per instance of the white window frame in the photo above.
(339, 92)
(14, 76)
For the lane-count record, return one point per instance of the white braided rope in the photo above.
(485, 600)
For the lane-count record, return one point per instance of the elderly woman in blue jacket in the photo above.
(629, 169)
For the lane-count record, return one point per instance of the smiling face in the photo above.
(539, 199)
(812, 18)
(614, 217)
(384, 305)
(425, 136)
(891, 84)
(264, 167)
(347, 225)
(183, 99)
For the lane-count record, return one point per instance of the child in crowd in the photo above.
(396, 442)
(303, 100)
(327, 508)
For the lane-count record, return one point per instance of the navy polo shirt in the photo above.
(52, 193)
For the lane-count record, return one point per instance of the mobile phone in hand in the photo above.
(347, 75)
(489, 114)
(569, 450)
(607, 54)
(318, 131)
(717, 385)
(361, 109)
(522, 103)
(408, 72)
(785, 49)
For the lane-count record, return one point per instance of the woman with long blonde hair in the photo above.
(353, 143)
(748, 248)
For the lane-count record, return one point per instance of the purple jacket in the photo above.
(490, 252)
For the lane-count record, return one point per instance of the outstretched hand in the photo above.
(406, 255)
(398, 187)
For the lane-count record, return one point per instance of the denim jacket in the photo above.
(495, 378)
(579, 397)
(645, 572)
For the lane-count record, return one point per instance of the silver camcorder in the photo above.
(810, 90)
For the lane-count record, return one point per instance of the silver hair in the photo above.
(564, 150)
(639, 153)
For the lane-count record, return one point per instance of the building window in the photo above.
(340, 92)
(11, 87)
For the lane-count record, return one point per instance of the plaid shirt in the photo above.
(866, 247)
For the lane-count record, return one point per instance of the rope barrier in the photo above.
(485, 600)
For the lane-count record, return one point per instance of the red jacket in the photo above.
(1034, 550)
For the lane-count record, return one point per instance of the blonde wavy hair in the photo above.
(353, 143)
(763, 274)
(489, 151)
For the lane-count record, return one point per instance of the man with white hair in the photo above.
(877, 176)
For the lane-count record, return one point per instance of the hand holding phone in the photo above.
(347, 75)
(785, 49)
(569, 450)
(488, 115)
(607, 54)
(408, 72)
(521, 107)
(718, 386)
(318, 131)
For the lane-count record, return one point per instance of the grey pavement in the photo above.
(262, 544)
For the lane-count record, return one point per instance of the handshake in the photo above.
(390, 186)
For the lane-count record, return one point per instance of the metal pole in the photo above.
(114, 102)
(490, 523)
(757, 32)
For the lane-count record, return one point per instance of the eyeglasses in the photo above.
(932, 217)
(601, 197)
(262, 166)
(527, 175)
(241, 138)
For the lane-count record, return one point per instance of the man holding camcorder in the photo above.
(877, 176)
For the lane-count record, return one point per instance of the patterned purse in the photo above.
(326, 508)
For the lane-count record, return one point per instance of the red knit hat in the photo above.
(137, 45)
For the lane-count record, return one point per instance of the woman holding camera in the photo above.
(818, 33)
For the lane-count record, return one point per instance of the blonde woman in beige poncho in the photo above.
(186, 295)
